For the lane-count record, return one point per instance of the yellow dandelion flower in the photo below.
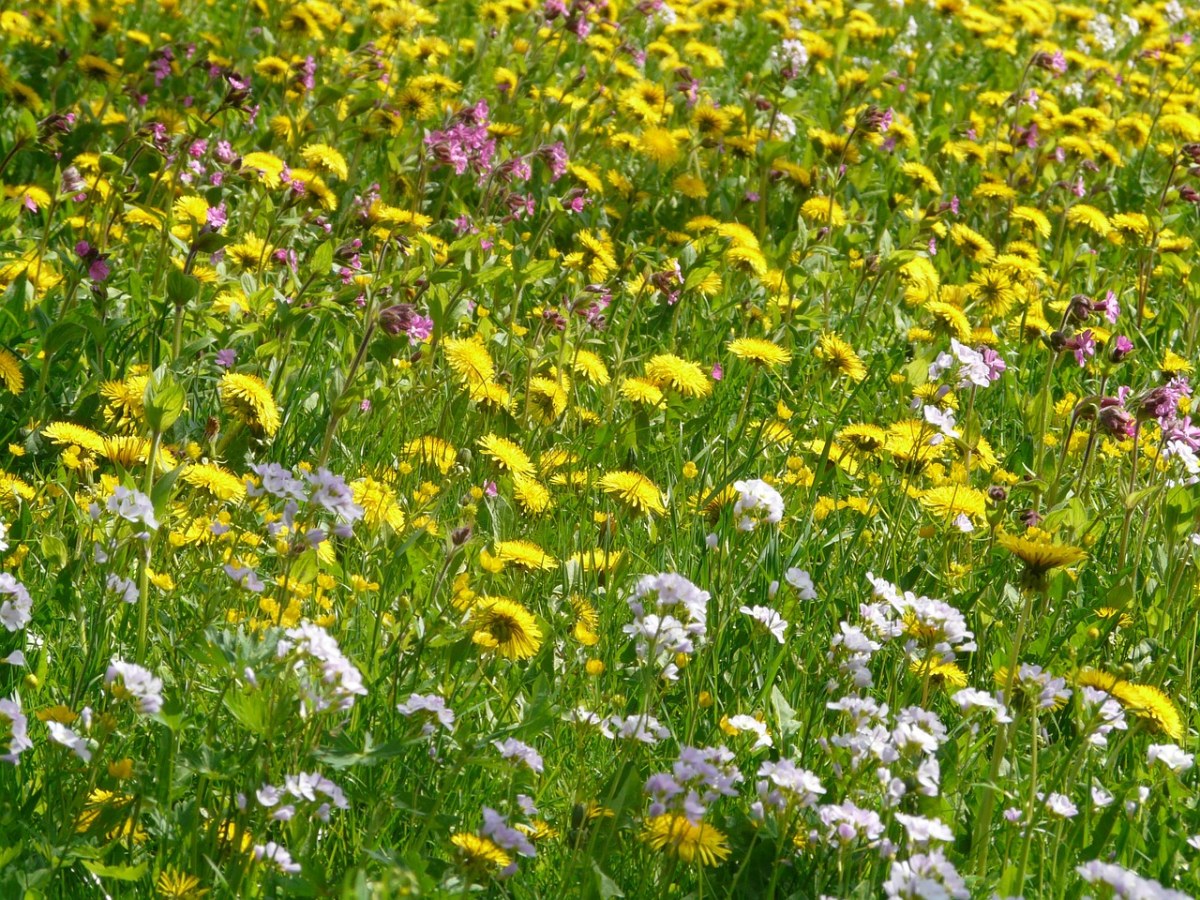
(762, 352)
(217, 480)
(823, 211)
(506, 454)
(639, 390)
(952, 500)
(939, 673)
(525, 555)
(660, 145)
(432, 450)
(635, 491)
(10, 371)
(839, 357)
(532, 495)
(322, 156)
(247, 398)
(677, 836)
(505, 626)
(68, 434)
(480, 853)
(173, 884)
(469, 359)
(378, 502)
(972, 243)
(684, 376)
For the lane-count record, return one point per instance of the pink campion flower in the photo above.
(489, 489)
(954, 204)
(1121, 348)
(1083, 345)
(933, 246)
(1109, 306)
(1079, 188)
(995, 363)
(216, 217)
(717, 372)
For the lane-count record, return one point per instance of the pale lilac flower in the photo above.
(511, 748)
(922, 831)
(757, 503)
(133, 506)
(925, 876)
(18, 730)
(432, 704)
(16, 609)
(340, 681)
(802, 582)
(1060, 805)
(773, 622)
(1171, 756)
(1125, 883)
(277, 854)
(61, 734)
(744, 724)
(137, 684)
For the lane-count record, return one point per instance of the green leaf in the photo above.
(8, 854)
(54, 550)
(322, 259)
(605, 886)
(249, 709)
(160, 494)
(119, 873)
(305, 569)
(181, 288)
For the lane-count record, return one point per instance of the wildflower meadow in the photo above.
(586, 448)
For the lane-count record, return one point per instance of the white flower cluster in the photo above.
(675, 623)
(18, 740)
(306, 787)
(16, 609)
(757, 503)
(129, 681)
(340, 681)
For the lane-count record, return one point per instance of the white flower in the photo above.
(646, 729)
(16, 610)
(61, 734)
(971, 367)
(132, 682)
(1170, 756)
(18, 730)
(769, 619)
(802, 582)
(750, 724)
(942, 420)
(971, 698)
(757, 502)
(922, 831)
(1060, 805)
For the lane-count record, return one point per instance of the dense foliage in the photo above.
(712, 448)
